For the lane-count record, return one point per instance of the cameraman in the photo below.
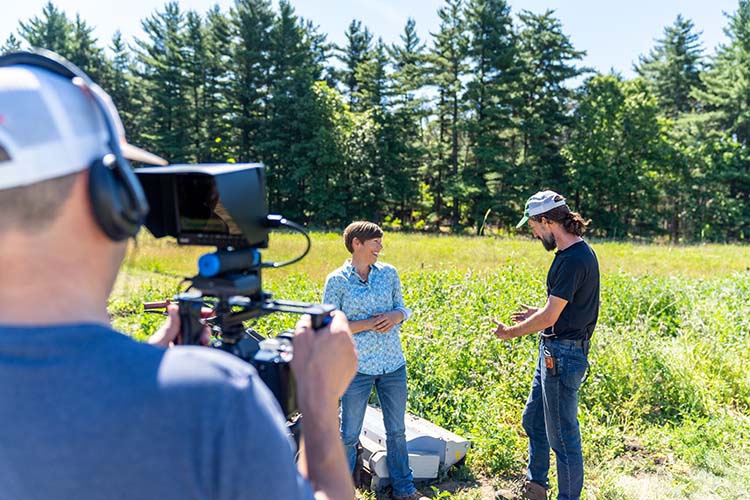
(88, 413)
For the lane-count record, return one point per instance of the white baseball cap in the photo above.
(540, 203)
(51, 126)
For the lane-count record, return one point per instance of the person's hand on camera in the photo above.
(384, 322)
(324, 360)
(524, 314)
(167, 334)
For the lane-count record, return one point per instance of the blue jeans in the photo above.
(391, 390)
(550, 418)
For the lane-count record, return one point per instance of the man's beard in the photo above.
(548, 241)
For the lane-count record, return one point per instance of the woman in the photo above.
(369, 292)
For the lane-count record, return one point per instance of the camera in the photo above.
(224, 206)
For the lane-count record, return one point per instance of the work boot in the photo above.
(533, 491)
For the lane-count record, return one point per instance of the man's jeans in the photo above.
(391, 390)
(550, 418)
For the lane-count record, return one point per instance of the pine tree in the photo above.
(548, 62)
(726, 104)
(727, 84)
(125, 89)
(373, 98)
(357, 52)
(161, 61)
(408, 60)
(408, 110)
(217, 36)
(290, 165)
(87, 55)
(490, 98)
(72, 40)
(373, 80)
(447, 68)
(252, 22)
(320, 50)
(52, 31)
(196, 57)
(673, 68)
(12, 44)
(672, 71)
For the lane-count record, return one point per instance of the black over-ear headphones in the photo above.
(117, 198)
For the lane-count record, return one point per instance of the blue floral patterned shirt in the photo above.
(378, 352)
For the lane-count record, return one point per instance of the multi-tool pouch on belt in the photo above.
(550, 363)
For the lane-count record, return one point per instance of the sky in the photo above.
(614, 33)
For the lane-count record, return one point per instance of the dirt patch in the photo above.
(484, 488)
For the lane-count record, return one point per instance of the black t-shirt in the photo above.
(574, 276)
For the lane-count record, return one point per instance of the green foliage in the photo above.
(126, 310)
(125, 88)
(12, 44)
(436, 138)
(448, 68)
(615, 151)
(252, 22)
(667, 392)
(727, 84)
(297, 143)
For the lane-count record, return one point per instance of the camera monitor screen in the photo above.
(201, 210)
(222, 205)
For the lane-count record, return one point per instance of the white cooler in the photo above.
(431, 448)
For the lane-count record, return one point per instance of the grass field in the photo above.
(665, 411)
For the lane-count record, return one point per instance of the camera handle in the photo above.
(230, 323)
(191, 325)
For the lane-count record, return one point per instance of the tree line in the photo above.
(453, 134)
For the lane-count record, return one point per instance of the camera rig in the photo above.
(225, 206)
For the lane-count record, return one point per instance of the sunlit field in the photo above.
(665, 410)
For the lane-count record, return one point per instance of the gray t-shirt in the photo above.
(88, 413)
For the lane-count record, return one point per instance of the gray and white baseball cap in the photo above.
(540, 203)
(50, 127)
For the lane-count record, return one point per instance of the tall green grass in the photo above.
(668, 391)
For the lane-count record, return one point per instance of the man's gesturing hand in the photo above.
(502, 331)
(524, 314)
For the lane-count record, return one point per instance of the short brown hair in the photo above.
(33, 208)
(363, 231)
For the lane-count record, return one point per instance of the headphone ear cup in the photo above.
(114, 209)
